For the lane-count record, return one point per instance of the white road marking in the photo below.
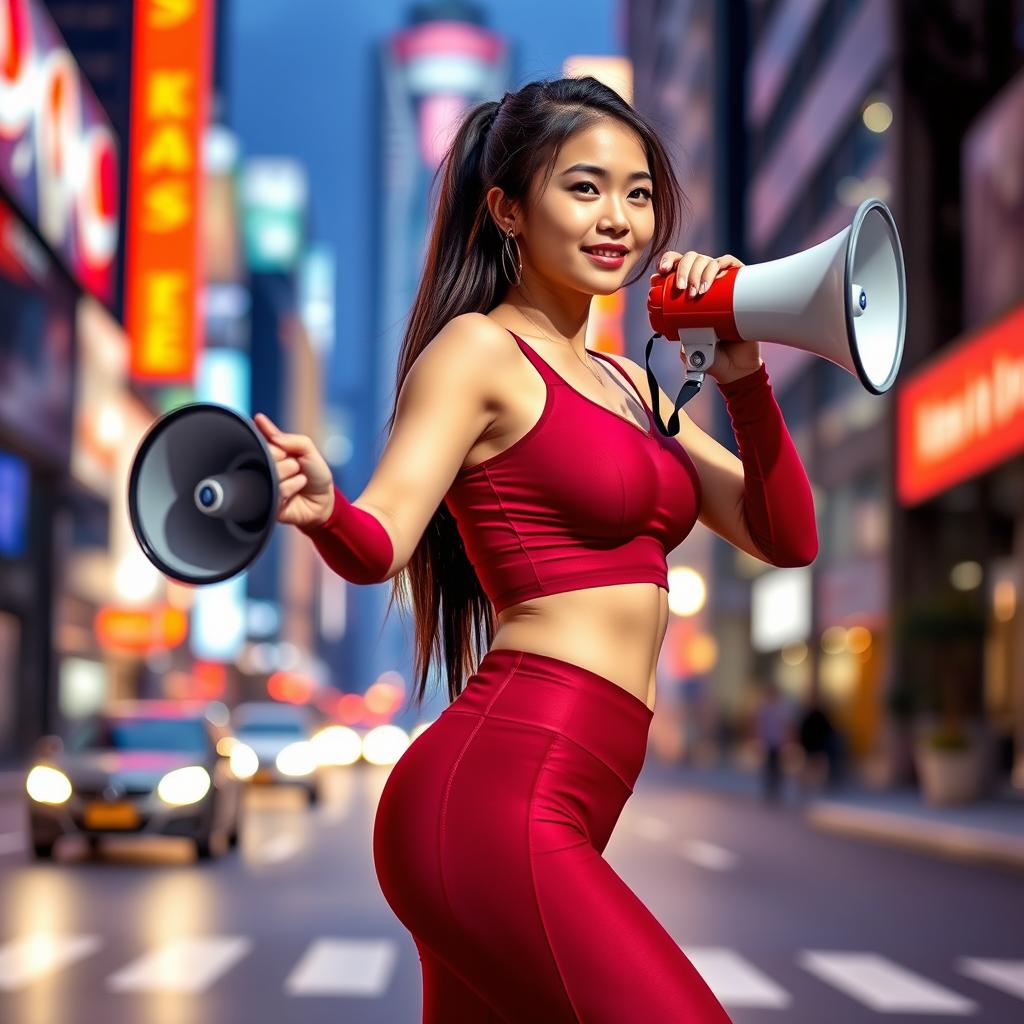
(882, 984)
(707, 855)
(12, 842)
(652, 828)
(344, 967)
(1007, 975)
(181, 965)
(735, 981)
(35, 956)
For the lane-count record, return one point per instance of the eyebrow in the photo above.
(602, 173)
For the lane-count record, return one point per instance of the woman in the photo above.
(527, 497)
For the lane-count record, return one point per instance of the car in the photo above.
(143, 767)
(281, 736)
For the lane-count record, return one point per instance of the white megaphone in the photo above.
(844, 299)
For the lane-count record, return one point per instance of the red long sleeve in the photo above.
(777, 502)
(353, 542)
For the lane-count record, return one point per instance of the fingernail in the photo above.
(703, 287)
(693, 291)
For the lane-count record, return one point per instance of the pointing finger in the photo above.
(265, 423)
(287, 442)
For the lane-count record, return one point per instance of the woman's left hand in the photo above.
(694, 273)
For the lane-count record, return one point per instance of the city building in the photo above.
(845, 100)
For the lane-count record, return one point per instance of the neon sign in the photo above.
(58, 154)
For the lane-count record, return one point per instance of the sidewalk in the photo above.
(989, 831)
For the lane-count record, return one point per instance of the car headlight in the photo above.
(47, 785)
(184, 785)
(243, 760)
(337, 745)
(296, 759)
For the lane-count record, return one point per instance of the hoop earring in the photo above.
(507, 257)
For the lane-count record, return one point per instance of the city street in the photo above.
(784, 922)
(343, 343)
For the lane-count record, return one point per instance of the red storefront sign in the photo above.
(170, 87)
(964, 413)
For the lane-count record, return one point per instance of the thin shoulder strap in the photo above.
(608, 359)
(541, 364)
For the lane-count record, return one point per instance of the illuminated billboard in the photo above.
(171, 58)
(58, 153)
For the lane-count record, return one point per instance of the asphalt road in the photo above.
(784, 922)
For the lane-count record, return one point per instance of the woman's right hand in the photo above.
(305, 484)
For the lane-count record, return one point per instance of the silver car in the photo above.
(281, 735)
(142, 768)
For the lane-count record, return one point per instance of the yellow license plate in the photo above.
(264, 775)
(110, 815)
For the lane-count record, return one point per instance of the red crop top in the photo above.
(585, 498)
(590, 501)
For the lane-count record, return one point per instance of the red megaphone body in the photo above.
(671, 309)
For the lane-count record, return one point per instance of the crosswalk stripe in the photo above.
(882, 984)
(734, 980)
(337, 966)
(34, 956)
(1007, 975)
(181, 965)
(707, 855)
(344, 967)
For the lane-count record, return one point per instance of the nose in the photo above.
(615, 218)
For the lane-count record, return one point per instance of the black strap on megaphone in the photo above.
(689, 389)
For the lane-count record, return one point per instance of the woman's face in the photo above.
(609, 203)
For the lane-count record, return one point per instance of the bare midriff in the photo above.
(615, 630)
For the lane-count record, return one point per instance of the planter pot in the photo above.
(951, 776)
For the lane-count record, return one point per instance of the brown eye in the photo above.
(579, 185)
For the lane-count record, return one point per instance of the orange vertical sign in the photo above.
(171, 55)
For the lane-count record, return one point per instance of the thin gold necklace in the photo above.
(600, 380)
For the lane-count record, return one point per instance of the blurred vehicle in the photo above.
(281, 735)
(145, 767)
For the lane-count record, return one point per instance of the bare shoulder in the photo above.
(472, 334)
(471, 349)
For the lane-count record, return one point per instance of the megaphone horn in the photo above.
(202, 493)
(844, 299)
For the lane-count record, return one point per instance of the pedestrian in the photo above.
(773, 722)
(528, 494)
(815, 736)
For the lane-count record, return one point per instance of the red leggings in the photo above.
(487, 845)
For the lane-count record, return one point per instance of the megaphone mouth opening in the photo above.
(191, 537)
(874, 263)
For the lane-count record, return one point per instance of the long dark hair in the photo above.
(462, 274)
